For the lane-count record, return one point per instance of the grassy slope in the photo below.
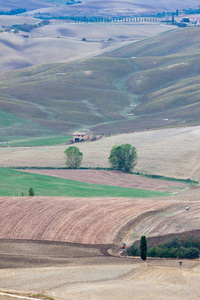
(14, 182)
(164, 79)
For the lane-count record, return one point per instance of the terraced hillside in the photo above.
(160, 75)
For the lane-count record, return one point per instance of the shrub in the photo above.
(31, 192)
(133, 251)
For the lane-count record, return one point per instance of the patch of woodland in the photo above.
(182, 246)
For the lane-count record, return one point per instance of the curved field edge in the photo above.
(14, 183)
(116, 178)
(172, 152)
(74, 220)
(175, 220)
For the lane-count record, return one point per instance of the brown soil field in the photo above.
(173, 152)
(50, 268)
(113, 178)
(173, 221)
(75, 220)
(79, 271)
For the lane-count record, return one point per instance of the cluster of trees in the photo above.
(178, 247)
(73, 2)
(122, 158)
(27, 27)
(84, 19)
(30, 192)
(13, 12)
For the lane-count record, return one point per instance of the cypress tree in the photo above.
(143, 247)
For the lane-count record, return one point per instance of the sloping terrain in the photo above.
(155, 4)
(109, 278)
(97, 93)
(113, 178)
(28, 4)
(176, 220)
(61, 42)
(119, 7)
(170, 152)
(76, 220)
(97, 4)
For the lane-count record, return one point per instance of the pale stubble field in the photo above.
(62, 42)
(171, 152)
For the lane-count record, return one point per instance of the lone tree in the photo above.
(123, 157)
(74, 157)
(143, 248)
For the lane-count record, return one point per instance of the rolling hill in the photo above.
(29, 4)
(117, 7)
(161, 75)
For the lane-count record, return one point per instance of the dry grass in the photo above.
(108, 278)
(44, 46)
(169, 152)
(138, 6)
(29, 5)
(175, 220)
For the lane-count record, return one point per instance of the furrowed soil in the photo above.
(79, 271)
(76, 220)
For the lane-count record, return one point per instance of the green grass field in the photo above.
(13, 183)
(163, 79)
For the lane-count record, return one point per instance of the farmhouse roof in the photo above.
(79, 133)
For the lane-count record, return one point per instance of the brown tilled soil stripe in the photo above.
(130, 225)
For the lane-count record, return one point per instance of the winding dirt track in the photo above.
(75, 220)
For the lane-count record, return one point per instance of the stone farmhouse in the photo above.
(82, 136)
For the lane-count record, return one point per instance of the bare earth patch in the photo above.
(97, 277)
(75, 220)
(113, 178)
(73, 271)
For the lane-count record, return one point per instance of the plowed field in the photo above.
(113, 178)
(86, 221)
(175, 220)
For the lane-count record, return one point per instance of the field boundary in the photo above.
(161, 177)
(127, 227)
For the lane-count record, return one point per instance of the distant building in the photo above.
(79, 136)
(82, 136)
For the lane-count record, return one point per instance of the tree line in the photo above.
(13, 12)
(178, 247)
(26, 27)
